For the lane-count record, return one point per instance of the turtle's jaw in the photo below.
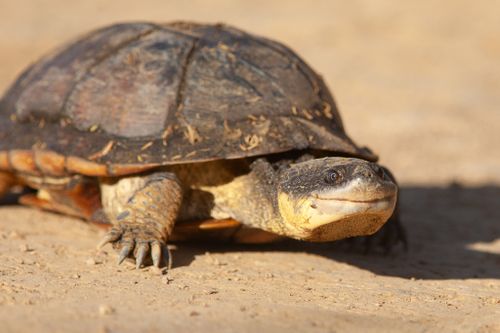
(322, 219)
(338, 218)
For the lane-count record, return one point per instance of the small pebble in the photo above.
(15, 235)
(76, 276)
(25, 248)
(211, 291)
(91, 262)
(194, 313)
(105, 310)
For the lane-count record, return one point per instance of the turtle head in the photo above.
(333, 198)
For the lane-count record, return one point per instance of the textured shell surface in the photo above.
(156, 94)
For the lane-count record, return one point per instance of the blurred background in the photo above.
(419, 82)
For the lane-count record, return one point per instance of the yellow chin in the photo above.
(321, 220)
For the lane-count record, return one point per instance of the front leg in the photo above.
(143, 210)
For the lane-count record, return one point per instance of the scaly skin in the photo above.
(144, 216)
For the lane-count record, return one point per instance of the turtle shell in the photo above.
(133, 96)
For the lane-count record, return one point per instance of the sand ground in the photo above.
(416, 81)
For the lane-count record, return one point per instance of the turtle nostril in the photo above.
(368, 173)
(379, 171)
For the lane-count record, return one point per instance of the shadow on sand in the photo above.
(448, 230)
(443, 224)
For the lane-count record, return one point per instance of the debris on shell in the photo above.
(131, 59)
(192, 134)
(327, 110)
(93, 128)
(223, 46)
(307, 114)
(140, 158)
(231, 56)
(41, 124)
(39, 145)
(103, 152)
(166, 133)
(254, 99)
(294, 110)
(147, 145)
(251, 141)
(191, 154)
(13, 117)
(64, 122)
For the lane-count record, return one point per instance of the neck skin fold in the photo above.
(250, 201)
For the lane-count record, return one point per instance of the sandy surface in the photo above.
(417, 82)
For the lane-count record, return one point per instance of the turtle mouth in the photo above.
(386, 198)
(332, 218)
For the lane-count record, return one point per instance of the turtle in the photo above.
(177, 130)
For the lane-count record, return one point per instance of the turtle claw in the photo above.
(125, 251)
(112, 236)
(134, 242)
(167, 256)
(142, 251)
(156, 254)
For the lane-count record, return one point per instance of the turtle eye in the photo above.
(333, 177)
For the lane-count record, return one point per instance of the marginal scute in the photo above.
(4, 161)
(127, 169)
(50, 163)
(23, 161)
(85, 167)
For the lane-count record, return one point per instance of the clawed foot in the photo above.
(135, 242)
